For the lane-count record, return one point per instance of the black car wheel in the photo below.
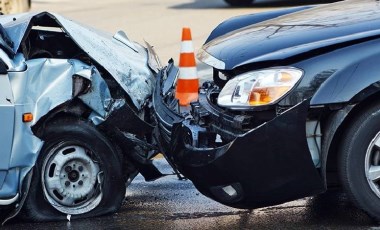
(78, 172)
(239, 2)
(360, 161)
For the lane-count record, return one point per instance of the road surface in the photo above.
(169, 203)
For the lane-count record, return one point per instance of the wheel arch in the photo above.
(72, 108)
(337, 124)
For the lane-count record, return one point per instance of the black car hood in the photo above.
(294, 34)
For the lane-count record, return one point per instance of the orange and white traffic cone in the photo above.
(188, 82)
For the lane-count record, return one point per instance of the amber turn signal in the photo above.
(27, 117)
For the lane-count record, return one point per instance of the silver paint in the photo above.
(39, 85)
(46, 84)
(99, 97)
(9, 201)
(129, 68)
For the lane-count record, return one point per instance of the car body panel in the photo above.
(7, 113)
(357, 80)
(239, 22)
(241, 157)
(45, 85)
(264, 173)
(49, 84)
(132, 73)
(250, 162)
(336, 77)
(269, 40)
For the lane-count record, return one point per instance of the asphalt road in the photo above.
(169, 203)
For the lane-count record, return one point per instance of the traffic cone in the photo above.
(188, 82)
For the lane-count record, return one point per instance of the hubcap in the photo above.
(372, 164)
(70, 179)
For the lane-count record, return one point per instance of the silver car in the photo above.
(74, 123)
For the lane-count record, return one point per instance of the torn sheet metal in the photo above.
(15, 64)
(46, 84)
(48, 64)
(98, 98)
(128, 67)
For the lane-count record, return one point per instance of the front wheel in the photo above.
(239, 2)
(359, 159)
(78, 172)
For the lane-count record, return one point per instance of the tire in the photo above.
(359, 152)
(78, 170)
(239, 2)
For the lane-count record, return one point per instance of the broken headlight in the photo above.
(257, 88)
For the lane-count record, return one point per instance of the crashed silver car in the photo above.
(74, 128)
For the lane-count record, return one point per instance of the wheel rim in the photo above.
(71, 179)
(372, 164)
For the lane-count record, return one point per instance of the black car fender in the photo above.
(355, 82)
(354, 85)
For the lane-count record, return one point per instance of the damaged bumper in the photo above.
(266, 165)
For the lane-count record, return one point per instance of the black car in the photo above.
(293, 108)
(239, 2)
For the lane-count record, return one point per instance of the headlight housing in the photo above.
(258, 88)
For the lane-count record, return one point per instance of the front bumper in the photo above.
(268, 165)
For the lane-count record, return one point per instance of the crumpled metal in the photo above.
(40, 85)
(45, 85)
(128, 66)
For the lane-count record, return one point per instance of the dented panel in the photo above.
(98, 97)
(243, 168)
(124, 60)
(42, 80)
(52, 67)
(46, 84)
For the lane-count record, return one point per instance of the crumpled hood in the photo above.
(294, 34)
(127, 62)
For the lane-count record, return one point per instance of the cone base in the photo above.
(186, 98)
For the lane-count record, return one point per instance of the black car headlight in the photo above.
(258, 88)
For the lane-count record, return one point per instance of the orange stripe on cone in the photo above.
(186, 34)
(188, 85)
(187, 60)
(187, 89)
